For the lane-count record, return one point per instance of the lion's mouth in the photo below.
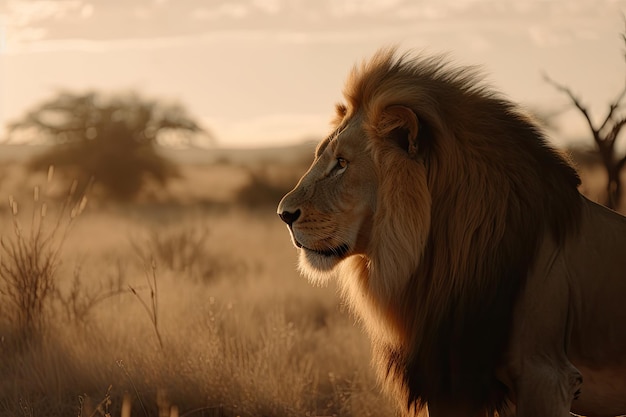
(338, 251)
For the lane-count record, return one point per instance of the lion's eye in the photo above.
(340, 166)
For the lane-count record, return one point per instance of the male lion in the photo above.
(486, 282)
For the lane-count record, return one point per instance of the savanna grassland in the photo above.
(184, 303)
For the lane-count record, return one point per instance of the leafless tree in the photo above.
(605, 135)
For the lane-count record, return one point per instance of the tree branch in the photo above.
(577, 103)
(611, 137)
(613, 106)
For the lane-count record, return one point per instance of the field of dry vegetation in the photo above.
(185, 303)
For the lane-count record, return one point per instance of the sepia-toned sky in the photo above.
(268, 72)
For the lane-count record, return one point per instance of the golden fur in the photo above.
(431, 200)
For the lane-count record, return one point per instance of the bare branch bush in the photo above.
(78, 302)
(183, 249)
(178, 249)
(28, 262)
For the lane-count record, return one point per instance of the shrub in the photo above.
(28, 264)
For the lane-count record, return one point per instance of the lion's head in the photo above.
(335, 211)
(428, 198)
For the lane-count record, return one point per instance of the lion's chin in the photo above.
(318, 266)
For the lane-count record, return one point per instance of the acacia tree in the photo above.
(605, 135)
(110, 139)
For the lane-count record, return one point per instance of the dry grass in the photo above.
(241, 333)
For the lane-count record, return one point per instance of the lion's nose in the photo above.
(289, 217)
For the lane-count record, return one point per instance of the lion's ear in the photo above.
(400, 124)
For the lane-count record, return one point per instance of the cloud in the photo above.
(225, 10)
(421, 12)
(477, 42)
(260, 36)
(42, 25)
(271, 7)
(22, 13)
(544, 37)
(86, 11)
(27, 21)
(348, 8)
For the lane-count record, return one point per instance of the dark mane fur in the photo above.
(497, 188)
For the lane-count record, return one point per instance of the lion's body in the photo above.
(572, 312)
(461, 240)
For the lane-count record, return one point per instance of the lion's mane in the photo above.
(454, 237)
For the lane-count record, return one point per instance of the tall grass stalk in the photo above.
(151, 309)
(122, 366)
(29, 259)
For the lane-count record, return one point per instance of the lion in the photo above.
(486, 282)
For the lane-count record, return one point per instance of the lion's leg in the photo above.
(544, 390)
(540, 378)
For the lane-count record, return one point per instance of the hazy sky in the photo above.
(263, 72)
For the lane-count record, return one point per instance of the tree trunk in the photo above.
(614, 188)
